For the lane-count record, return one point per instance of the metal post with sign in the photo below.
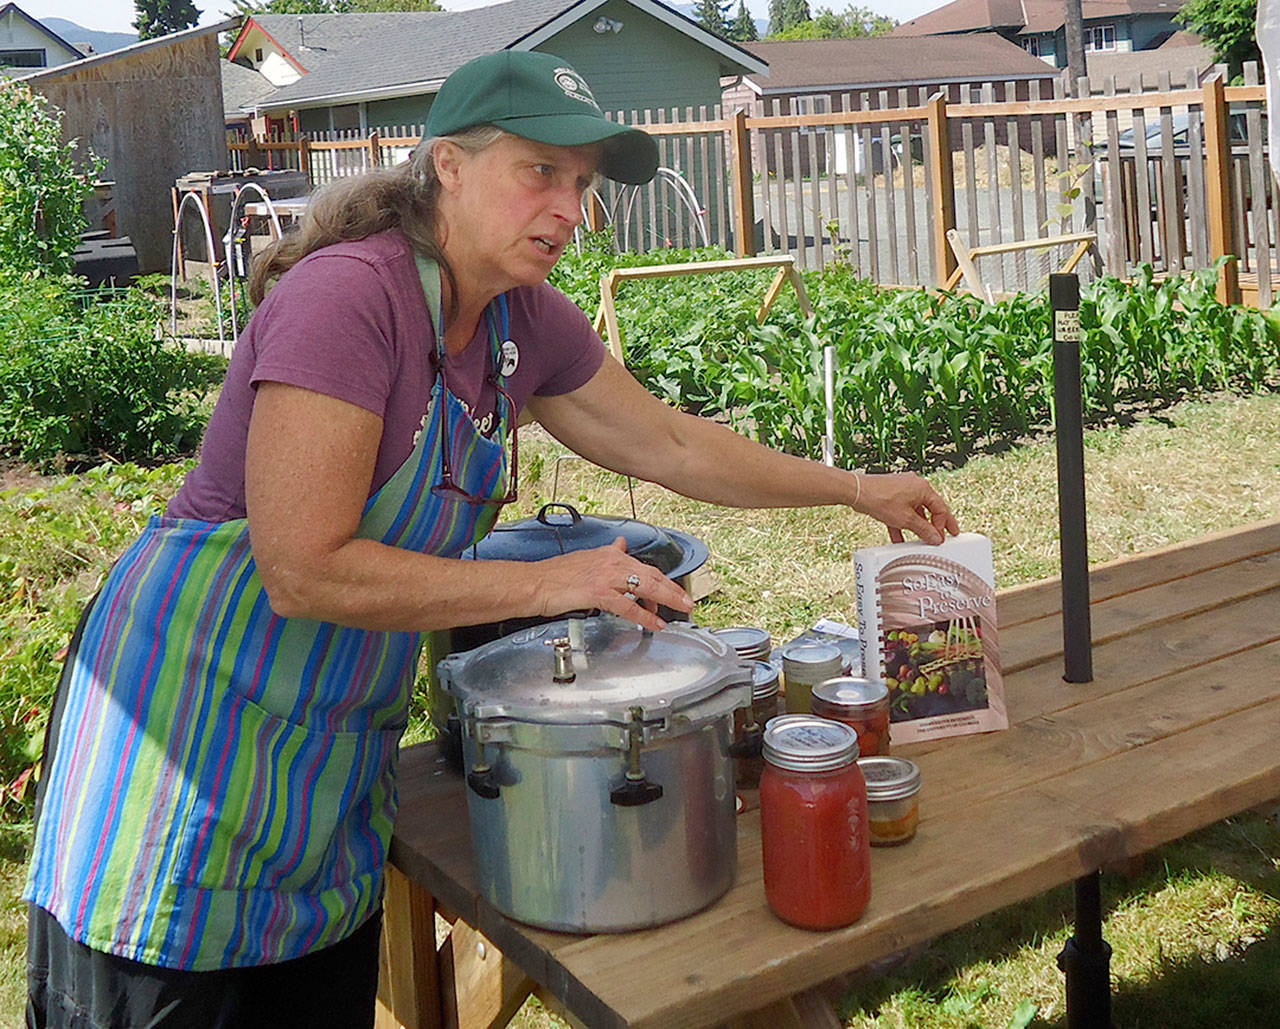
(1086, 958)
(1064, 300)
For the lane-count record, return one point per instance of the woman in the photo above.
(219, 798)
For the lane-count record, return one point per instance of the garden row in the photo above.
(920, 377)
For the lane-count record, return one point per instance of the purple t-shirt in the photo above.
(350, 321)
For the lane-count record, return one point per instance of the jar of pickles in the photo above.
(749, 725)
(813, 823)
(893, 795)
(804, 665)
(862, 704)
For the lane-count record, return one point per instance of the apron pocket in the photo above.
(280, 806)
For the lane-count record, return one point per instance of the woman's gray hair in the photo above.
(404, 197)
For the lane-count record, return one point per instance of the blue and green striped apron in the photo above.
(222, 789)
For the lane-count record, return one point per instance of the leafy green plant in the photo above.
(41, 189)
(82, 377)
(921, 377)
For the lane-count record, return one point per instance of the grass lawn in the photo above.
(1196, 930)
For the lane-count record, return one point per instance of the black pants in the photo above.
(71, 986)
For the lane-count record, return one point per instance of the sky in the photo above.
(116, 15)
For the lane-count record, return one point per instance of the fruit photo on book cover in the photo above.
(935, 668)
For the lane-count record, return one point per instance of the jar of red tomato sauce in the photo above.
(813, 823)
(862, 704)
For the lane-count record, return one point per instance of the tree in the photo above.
(710, 14)
(1226, 25)
(794, 12)
(852, 23)
(161, 17)
(743, 29)
(777, 16)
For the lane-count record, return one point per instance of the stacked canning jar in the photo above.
(749, 724)
(861, 704)
(748, 642)
(813, 823)
(804, 665)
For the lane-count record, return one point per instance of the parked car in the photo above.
(1153, 124)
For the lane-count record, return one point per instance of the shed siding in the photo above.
(646, 65)
(153, 117)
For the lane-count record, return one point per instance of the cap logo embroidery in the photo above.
(573, 87)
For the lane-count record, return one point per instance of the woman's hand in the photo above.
(903, 500)
(608, 579)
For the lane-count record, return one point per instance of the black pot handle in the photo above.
(635, 792)
(574, 516)
(484, 783)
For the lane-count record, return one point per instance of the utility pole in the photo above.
(1074, 26)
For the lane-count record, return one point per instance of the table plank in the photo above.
(967, 861)
(1043, 598)
(1177, 731)
(1040, 640)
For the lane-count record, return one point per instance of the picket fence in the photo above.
(1171, 177)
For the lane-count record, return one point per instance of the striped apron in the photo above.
(222, 789)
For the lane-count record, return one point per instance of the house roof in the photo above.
(1026, 16)
(125, 52)
(826, 64)
(40, 27)
(351, 57)
(241, 86)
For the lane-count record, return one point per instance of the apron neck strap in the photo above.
(496, 314)
(429, 276)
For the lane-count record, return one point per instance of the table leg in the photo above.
(482, 989)
(1086, 960)
(409, 979)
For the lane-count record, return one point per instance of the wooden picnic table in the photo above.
(1177, 731)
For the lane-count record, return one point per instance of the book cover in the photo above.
(927, 627)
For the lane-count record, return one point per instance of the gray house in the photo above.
(365, 71)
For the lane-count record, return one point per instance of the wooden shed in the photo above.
(153, 112)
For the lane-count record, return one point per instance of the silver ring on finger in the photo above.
(633, 581)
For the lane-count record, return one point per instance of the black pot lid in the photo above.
(561, 529)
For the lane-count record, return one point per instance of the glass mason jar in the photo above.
(748, 642)
(861, 704)
(813, 823)
(749, 764)
(893, 799)
(804, 665)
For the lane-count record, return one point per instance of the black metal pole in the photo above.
(1064, 299)
(1086, 958)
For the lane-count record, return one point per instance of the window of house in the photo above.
(22, 58)
(257, 55)
(1099, 37)
(345, 117)
(1031, 44)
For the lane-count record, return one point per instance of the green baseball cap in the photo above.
(538, 96)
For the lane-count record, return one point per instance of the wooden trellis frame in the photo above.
(606, 319)
(965, 255)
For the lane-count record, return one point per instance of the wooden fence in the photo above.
(1174, 177)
